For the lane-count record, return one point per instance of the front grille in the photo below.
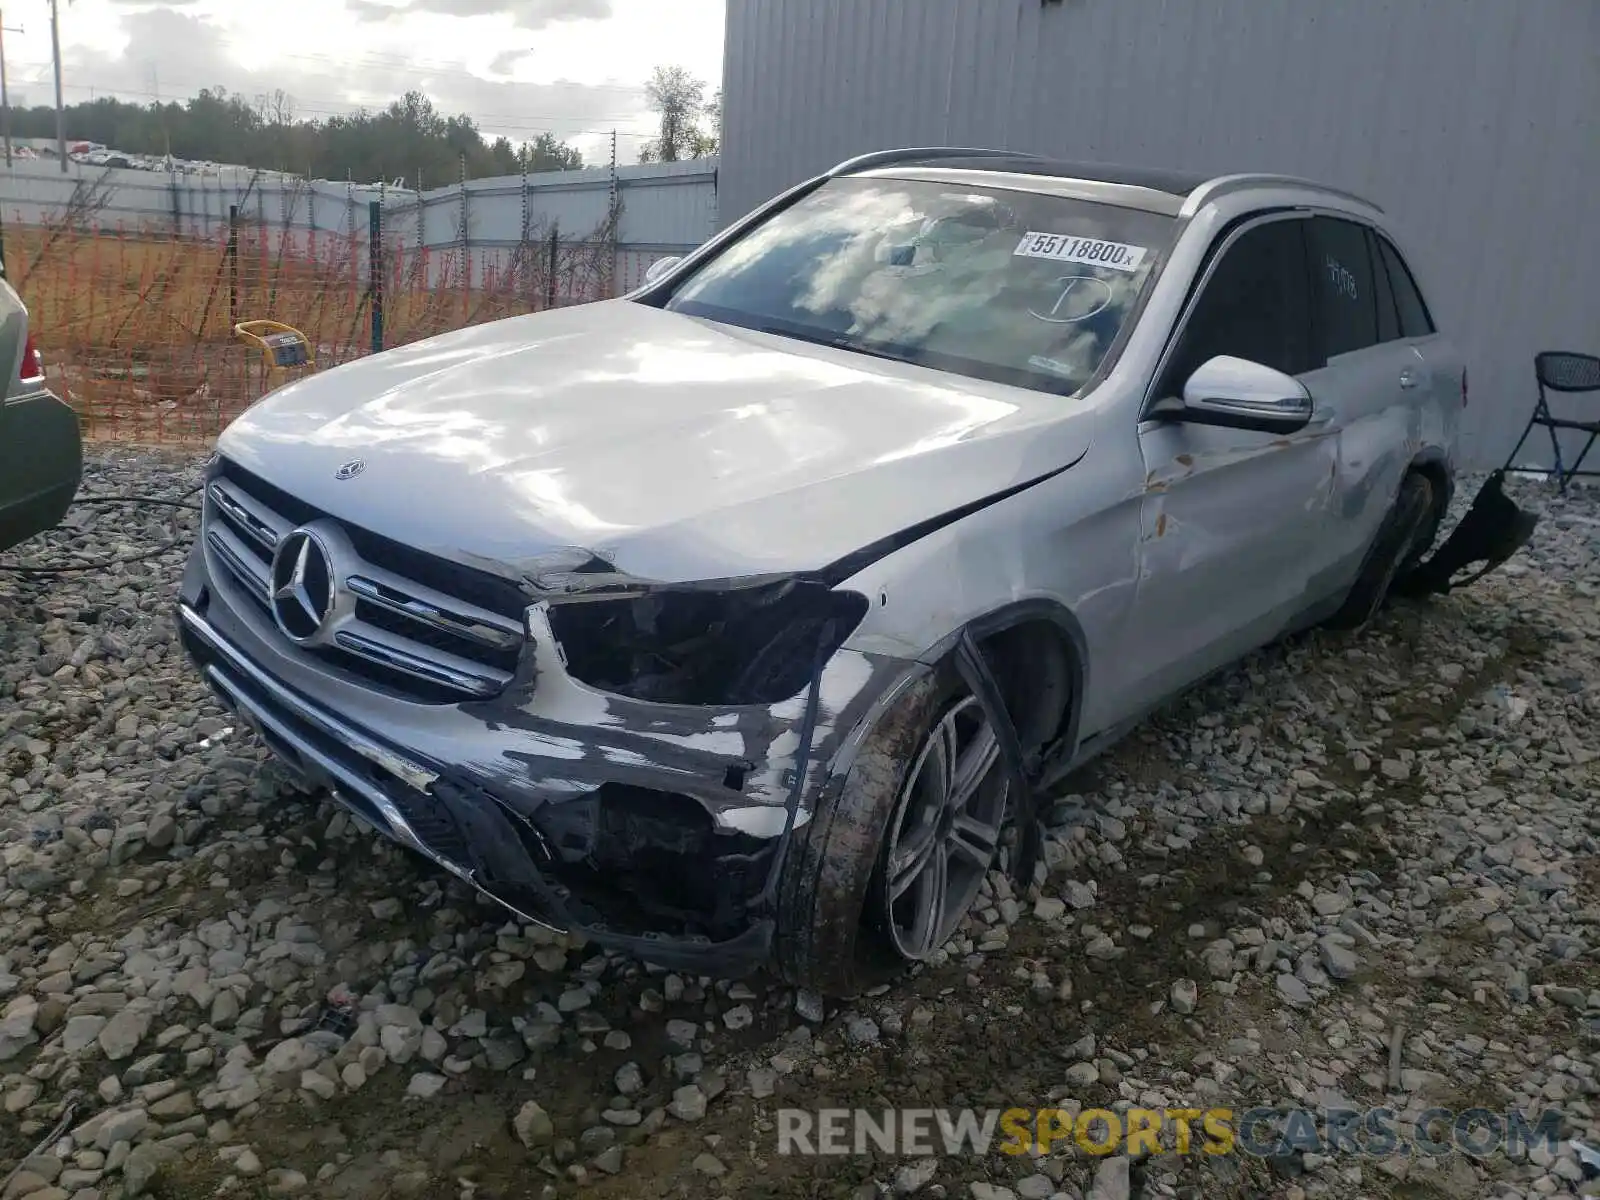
(410, 624)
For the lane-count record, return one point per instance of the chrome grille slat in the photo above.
(250, 517)
(428, 607)
(460, 650)
(423, 662)
(250, 570)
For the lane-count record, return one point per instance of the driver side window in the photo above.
(1255, 306)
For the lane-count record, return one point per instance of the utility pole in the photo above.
(612, 222)
(611, 200)
(155, 90)
(5, 93)
(61, 111)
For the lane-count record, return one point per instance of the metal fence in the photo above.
(134, 307)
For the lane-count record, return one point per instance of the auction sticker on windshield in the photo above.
(1094, 252)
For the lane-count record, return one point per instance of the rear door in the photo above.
(1442, 364)
(1365, 385)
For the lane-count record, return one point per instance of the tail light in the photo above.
(1463, 387)
(32, 368)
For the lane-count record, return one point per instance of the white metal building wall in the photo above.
(1475, 123)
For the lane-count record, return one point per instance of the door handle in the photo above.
(1409, 378)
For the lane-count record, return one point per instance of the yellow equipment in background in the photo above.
(283, 348)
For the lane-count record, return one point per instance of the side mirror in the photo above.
(1235, 393)
(660, 267)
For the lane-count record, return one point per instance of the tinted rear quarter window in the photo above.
(1415, 320)
(1341, 271)
(1388, 316)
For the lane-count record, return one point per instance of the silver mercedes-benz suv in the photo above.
(740, 621)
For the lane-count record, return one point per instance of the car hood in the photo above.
(674, 448)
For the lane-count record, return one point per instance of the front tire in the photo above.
(895, 856)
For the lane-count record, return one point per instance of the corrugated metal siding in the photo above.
(1471, 121)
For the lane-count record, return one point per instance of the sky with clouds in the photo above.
(574, 68)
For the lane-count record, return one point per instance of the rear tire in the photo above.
(845, 901)
(1398, 545)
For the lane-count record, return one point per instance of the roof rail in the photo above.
(888, 158)
(1224, 184)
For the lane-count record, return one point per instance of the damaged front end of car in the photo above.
(637, 780)
(725, 709)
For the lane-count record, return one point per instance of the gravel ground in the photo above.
(211, 984)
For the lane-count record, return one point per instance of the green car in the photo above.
(41, 451)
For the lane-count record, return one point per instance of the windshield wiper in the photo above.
(842, 341)
(877, 351)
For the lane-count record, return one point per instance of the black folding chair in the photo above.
(1562, 371)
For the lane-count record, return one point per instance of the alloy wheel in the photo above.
(945, 831)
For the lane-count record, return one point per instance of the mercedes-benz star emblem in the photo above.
(302, 586)
(350, 469)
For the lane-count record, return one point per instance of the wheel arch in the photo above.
(1432, 462)
(1037, 650)
(830, 868)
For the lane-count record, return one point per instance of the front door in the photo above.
(1232, 521)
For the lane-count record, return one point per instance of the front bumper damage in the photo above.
(654, 829)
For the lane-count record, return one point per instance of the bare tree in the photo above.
(281, 108)
(708, 141)
(275, 107)
(679, 99)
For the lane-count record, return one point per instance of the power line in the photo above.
(340, 63)
(347, 105)
(338, 68)
(320, 107)
(328, 106)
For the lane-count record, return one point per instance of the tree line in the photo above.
(409, 139)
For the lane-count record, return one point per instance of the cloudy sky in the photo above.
(520, 67)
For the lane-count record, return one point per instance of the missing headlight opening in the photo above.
(753, 645)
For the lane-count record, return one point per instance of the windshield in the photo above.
(1017, 287)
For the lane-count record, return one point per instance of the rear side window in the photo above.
(1346, 301)
(1255, 306)
(1388, 315)
(1415, 320)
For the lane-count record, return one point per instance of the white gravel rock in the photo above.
(1185, 996)
(1388, 828)
(1111, 1181)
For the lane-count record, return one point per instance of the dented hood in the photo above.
(673, 447)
